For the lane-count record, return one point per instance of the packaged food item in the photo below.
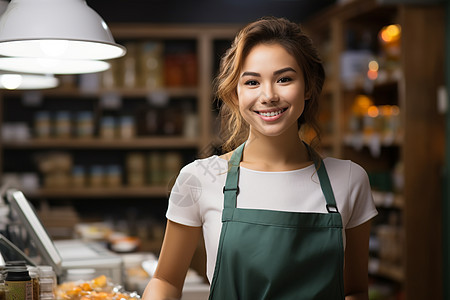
(97, 288)
(97, 176)
(4, 291)
(63, 124)
(156, 172)
(78, 176)
(173, 162)
(113, 176)
(47, 283)
(190, 121)
(85, 124)
(136, 169)
(129, 66)
(108, 127)
(19, 283)
(127, 127)
(42, 124)
(151, 73)
(33, 271)
(190, 68)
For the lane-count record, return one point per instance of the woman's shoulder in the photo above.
(209, 164)
(345, 169)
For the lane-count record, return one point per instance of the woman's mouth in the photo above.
(271, 115)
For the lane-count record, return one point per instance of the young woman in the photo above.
(275, 217)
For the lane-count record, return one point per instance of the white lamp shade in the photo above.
(51, 65)
(27, 81)
(66, 29)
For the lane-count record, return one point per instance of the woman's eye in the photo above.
(251, 82)
(284, 80)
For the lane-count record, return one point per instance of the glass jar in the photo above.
(4, 291)
(19, 283)
(47, 282)
(33, 271)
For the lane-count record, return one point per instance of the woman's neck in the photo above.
(275, 153)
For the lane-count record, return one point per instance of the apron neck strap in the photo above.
(231, 188)
(324, 180)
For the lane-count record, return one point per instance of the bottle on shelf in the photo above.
(18, 281)
(34, 274)
(4, 291)
(47, 283)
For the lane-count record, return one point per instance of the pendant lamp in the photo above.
(55, 37)
(13, 81)
(63, 29)
(27, 81)
(52, 65)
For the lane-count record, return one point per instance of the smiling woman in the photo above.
(277, 219)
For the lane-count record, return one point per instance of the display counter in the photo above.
(82, 267)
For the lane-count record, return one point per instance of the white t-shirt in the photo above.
(197, 196)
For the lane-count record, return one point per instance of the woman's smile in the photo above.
(271, 115)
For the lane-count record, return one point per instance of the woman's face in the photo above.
(271, 90)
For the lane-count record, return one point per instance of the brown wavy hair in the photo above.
(267, 30)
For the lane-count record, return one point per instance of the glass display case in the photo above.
(25, 238)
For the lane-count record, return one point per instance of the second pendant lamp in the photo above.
(14, 81)
(66, 35)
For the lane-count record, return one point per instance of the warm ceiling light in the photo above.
(51, 65)
(27, 81)
(63, 29)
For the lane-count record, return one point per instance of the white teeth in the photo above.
(271, 114)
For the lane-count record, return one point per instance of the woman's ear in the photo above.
(308, 95)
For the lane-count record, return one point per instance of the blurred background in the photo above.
(97, 155)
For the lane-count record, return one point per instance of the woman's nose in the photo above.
(268, 94)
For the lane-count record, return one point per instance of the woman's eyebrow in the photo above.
(278, 72)
(281, 71)
(251, 74)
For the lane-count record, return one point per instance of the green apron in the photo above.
(266, 254)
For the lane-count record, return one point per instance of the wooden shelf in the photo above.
(98, 143)
(388, 200)
(103, 192)
(419, 147)
(66, 91)
(377, 84)
(388, 270)
(170, 31)
(369, 140)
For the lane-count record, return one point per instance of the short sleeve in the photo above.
(360, 195)
(183, 205)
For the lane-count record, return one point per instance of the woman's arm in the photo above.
(180, 243)
(356, 278)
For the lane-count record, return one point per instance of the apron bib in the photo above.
(267, 254)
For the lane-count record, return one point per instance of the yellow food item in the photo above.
(97, 289)
(99, 282)
(73, 292)
(86, 286)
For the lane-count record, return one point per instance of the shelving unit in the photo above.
(16, 155)
(99, 143)
(116, 192)
(408, 212)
